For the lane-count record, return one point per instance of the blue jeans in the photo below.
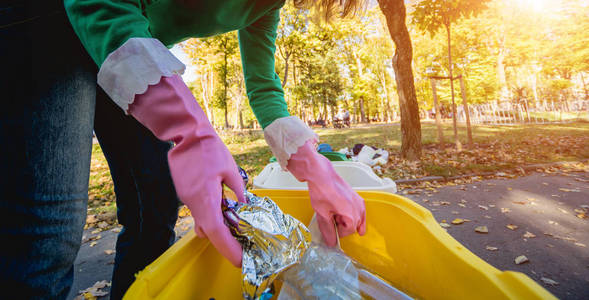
(147, 205)
(50, 105)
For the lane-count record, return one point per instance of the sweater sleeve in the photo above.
(116, 36)
(283, 133)
(103, 25)
(264, 90)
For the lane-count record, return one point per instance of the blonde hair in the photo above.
(328, 8)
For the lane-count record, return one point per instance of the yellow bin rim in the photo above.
(403, 244)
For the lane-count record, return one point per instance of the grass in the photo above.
(495, 148)
(101, 196)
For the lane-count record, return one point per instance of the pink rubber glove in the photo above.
(199, 162)
(332, 198)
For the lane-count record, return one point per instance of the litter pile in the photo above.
(369, 155)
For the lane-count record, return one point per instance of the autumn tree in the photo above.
(395, 13)
(432, 15)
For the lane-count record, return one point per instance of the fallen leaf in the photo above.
(487, 217)
(544, 183)
(457, 221)
(509, 189)
(445, 203)
(511, 226)
(581, 213)
(92, 244)
(445, 225)
(463, 201)
(529, 235)
(520, 202)
(102, 224)
(91, 219)
(461, 205)
(521, 259)
(455, 212)
(491, 248)
(563, 211)
(95, 290)
(580, 244)
(116, 229)
(481, 229)
(89, 296)
(549, 281)
(108, 216)
(491, 205)
(96, 231)
(109, 252)
(483, 207)
(505, 210)
(184, 211)
(569, 190)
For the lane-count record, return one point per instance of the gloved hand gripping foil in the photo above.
(278, 246)
(272, 241)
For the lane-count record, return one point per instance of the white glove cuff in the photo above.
(138, 63)
(285, 136)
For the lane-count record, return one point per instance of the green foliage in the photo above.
(516, 51)
(431, 15)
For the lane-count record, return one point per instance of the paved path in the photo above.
(542, 204)
(94, 264)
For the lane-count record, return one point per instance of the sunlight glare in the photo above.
(538, 5)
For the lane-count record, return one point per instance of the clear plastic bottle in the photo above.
(328, 273)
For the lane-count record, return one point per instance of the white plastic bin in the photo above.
(358, 175)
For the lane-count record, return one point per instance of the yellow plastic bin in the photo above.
(403, 244)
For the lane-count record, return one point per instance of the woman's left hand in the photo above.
(332, 198)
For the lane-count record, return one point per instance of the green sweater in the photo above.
(104, 25)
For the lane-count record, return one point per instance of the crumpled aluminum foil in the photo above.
(272, 241)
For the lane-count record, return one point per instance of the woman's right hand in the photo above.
(200, 163)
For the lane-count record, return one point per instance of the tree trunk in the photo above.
(285, 69)
(466, 111)
(206, 84)
(386, 108)
(456, 140)
(394, 11)
(237, 122)
(438, 114)
(584, 86)
(226, 120)
(355, 112)
(225, 86)
(362, 114)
